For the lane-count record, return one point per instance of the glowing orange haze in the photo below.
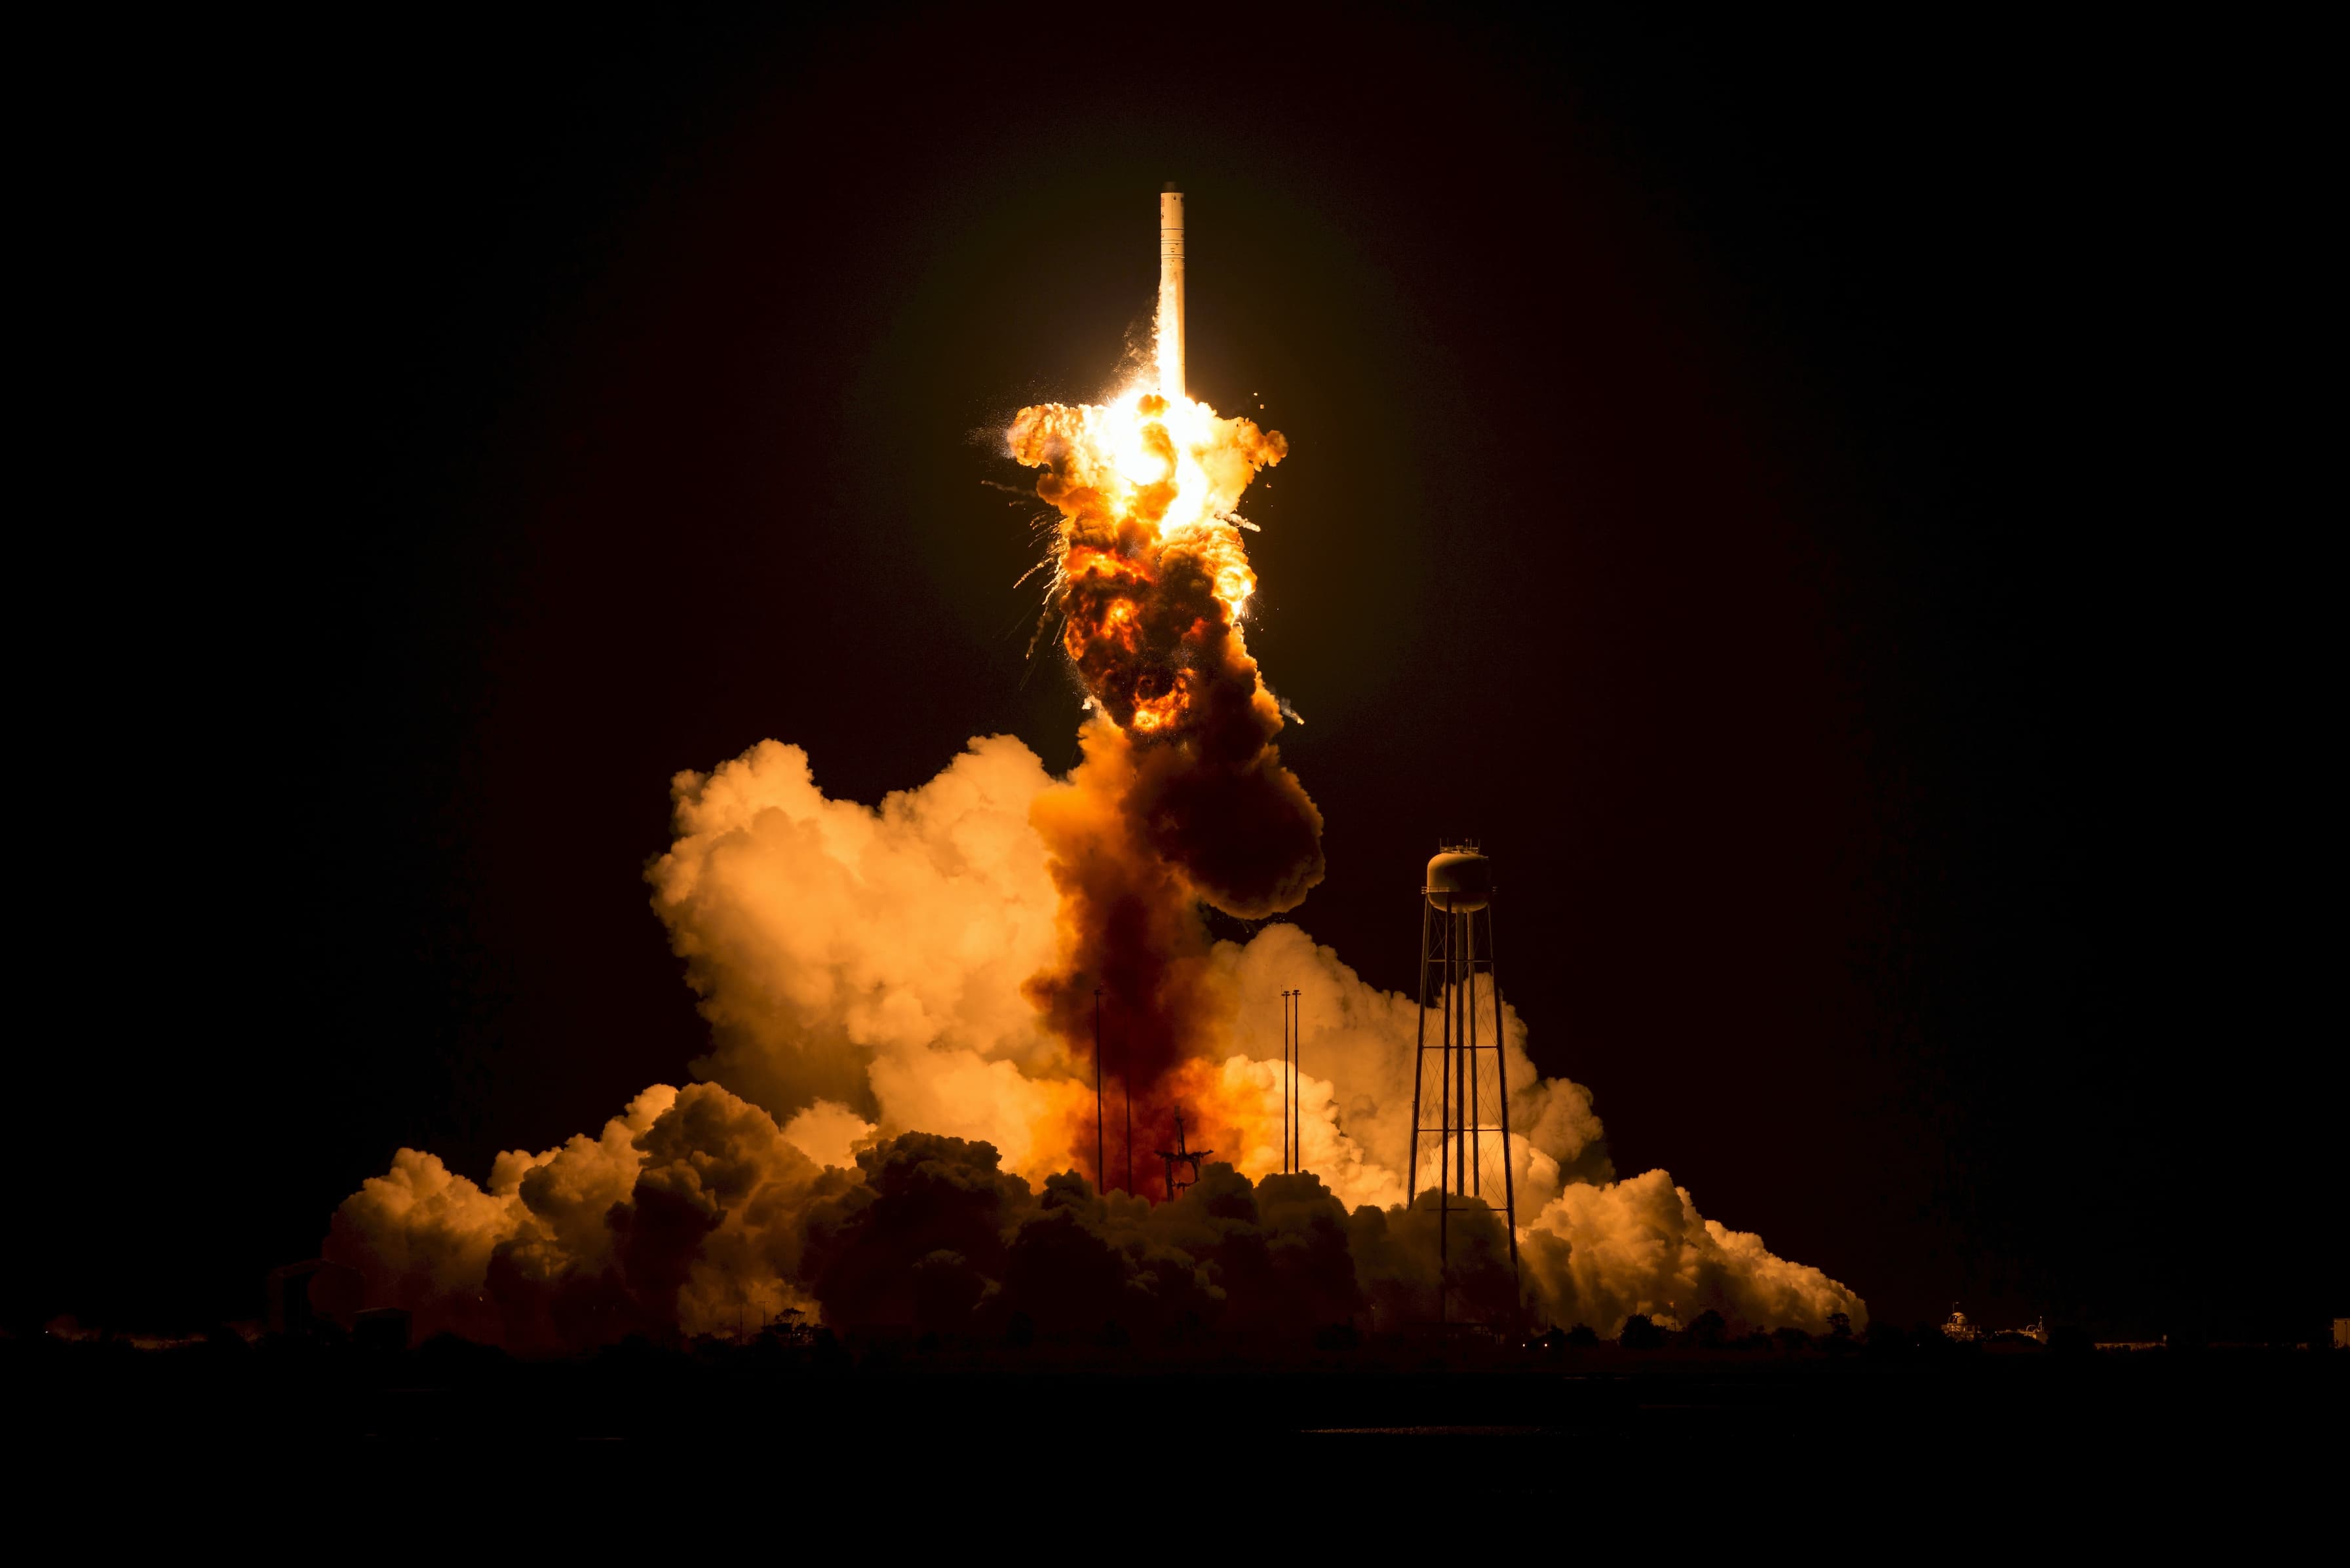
(929, 966)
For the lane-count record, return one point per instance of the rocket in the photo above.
(1171, 292)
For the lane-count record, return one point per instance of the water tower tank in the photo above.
(1460, 880)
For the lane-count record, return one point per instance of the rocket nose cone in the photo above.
(1171, 187)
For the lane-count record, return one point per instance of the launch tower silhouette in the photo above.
(1467, 1144)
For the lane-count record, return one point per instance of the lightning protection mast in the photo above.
(1468, 1145)
(1292, 1141)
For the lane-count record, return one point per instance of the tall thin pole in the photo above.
(1297, 1069)
(1468, 1012)
(1284, 1083)
(1444, 1189)
(1289, 1088)
(1459, 965)
(1501, 1073)
(1126, 1075)
(1418, 1056)
(1102, 1174)
(1457, 1146)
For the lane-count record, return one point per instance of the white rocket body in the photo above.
(1170, 293)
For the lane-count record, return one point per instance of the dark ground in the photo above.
(1527, 1422)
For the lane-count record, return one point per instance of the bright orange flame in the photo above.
(1149, 569)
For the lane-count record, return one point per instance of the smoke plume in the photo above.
(1181, 798)
(878, 1083)
(896, 1122)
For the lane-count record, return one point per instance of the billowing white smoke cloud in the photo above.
(870, 960)
(1356, 1059)
(1598, 1252)
(688, 1210)
(861, 968)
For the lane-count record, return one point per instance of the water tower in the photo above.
(1467, 1144)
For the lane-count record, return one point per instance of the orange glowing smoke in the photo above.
(902, 1002)
(1182, 797)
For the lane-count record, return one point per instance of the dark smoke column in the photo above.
(1181, 798)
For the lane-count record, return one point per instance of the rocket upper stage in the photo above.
(1171, 292)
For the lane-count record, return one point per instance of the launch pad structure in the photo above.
(1179, 1155)
(1458, 979)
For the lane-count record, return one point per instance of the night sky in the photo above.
(1813, 502)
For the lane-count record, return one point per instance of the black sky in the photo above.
(1813, 500)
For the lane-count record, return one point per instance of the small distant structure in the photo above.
(1179, 1155)
(1960, 1327)
(2037, 1329)
(2342, 1333)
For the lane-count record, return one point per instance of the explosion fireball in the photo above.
(900, 1098)
(1182, 797)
